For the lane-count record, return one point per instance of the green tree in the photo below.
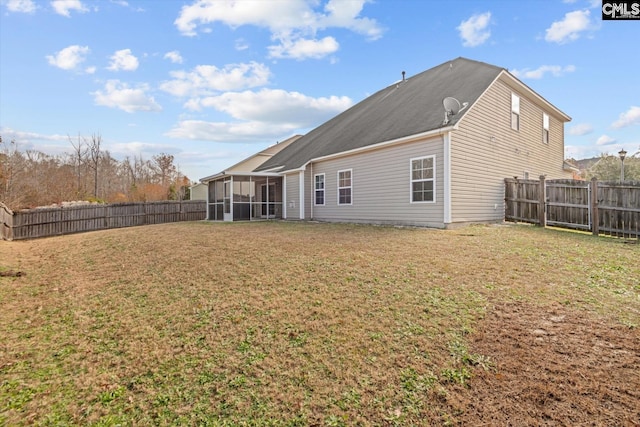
(607, 168)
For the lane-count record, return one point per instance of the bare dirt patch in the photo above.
(554, 366)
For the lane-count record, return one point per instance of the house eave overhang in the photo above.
(225, 174)
(530, 92)
(372, 147)
(569, 167)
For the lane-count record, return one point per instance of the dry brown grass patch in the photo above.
(295, 323)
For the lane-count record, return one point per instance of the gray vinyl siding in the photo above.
(485, 150)
(381, 186)
(293, 195)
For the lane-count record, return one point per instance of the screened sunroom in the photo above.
(244, 197)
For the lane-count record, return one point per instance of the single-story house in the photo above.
(429, 150)
(198, 191)
(240, 194)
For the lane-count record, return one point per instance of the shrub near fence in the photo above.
(33, 223)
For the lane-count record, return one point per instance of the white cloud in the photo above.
(21, 6)
(569, 28)
(345, 14)
(555, 70)
(126, 4)
(605, 140)
(278, 106)
(206, 79)
(69, 57)
(119, 95)
(241, 45)
(228, 132)
(628, 118)
(259, 116)
(581, 129)
(292, 23)
(174, 56)
(63, 7)
(22, 137)
(474, 31)
(304, 48)
(123, 60)
(135, 148)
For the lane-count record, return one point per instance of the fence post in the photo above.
(595, 217)
(516, 195)
(542, 203)
(6, 215)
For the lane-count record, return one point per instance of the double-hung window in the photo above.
(545, 128)
(423, 181)
(345, 186)
(515, 112)
(319, 189)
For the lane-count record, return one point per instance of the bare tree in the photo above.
(10, 162)
(164, 169)
(78, 157)
(93, 146)
(33, 178)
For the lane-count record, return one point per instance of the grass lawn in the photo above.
(297, 324)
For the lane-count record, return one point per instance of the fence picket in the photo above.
(610, 208)
(33, 223)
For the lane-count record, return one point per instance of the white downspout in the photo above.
(301, 185)
(208, 208)
(284, 197)
(447, 178)
(313, 190)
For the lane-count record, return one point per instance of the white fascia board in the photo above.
(256, 174)
(273, 169)
(525, 88)
(397, 141)
(206, 179)
(532, 94)
(223, 174)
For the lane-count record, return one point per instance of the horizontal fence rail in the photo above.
(567, 204)
(609, 208)
(34, 223)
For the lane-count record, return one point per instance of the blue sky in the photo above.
(212, 82)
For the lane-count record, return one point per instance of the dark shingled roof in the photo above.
(406, 108)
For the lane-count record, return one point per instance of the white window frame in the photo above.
(546, 135)
(411, 180)
(515, 112)
(316, 190)
(350, 187)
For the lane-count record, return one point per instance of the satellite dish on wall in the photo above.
(452, 107)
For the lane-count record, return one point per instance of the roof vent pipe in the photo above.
(403, 75)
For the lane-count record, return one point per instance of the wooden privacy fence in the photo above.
(33, 223)
(610, 208)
